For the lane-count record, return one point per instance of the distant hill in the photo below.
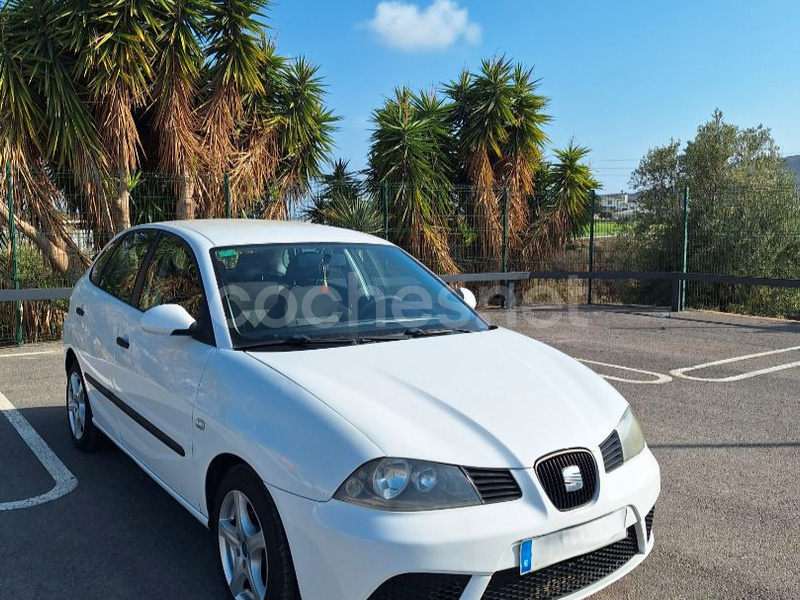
(794, 166)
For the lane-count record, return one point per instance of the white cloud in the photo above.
(408, 27)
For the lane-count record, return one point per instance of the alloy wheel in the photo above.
(76, 406)
(242, 547)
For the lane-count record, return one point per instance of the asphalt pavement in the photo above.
(724, 428)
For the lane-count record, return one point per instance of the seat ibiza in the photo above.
(346, 425)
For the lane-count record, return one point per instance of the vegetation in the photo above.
(343, 201)
(186, 87)
(738, 182)
(464, 164)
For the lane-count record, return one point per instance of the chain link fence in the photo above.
(52, 226)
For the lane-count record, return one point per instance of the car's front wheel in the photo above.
(252, 547)
(79, 412)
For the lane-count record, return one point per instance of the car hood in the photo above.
(489, 399)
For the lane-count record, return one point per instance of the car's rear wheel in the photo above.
(79, 412)
(252, 547)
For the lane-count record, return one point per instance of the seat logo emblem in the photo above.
(573, 480)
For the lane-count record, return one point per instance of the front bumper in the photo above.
(346, 552)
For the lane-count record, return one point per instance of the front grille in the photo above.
(612, 452)
(564, 578)
(648, 521)
(494, 485)
(422, 586)
(550, 472)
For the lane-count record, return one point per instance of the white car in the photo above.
(347, 426)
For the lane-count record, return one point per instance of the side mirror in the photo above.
(168, 319)
(467, 297)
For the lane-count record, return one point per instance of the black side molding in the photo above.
(140, 420)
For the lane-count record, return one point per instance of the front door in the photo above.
(98, 306)
(159, 375)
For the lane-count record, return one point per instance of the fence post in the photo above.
(12, 232)
(385, 209)
(591, 245)
(685, 257)
(508, 300)
(227, 196)
(505, 230)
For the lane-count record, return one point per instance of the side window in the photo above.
(172, 278)
(100, 262)
(118, 277)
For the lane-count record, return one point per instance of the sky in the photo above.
(622, 76)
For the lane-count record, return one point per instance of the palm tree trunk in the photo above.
(120, 209)
(184, 208)
(50, 244)
(486, 214)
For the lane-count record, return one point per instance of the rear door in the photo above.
(98, 308)
(158, 375)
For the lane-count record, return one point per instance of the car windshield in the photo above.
(316, 293)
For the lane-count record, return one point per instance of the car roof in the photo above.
(241, 232)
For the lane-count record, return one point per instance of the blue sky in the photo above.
(622, 76)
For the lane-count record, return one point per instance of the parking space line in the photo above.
(65, 481)
(659, 378)
(39, 353)
(682, 372)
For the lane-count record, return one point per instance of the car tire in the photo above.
(82, 429)
(252, 549)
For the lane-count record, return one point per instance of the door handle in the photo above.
(79, 311)
(123, 343)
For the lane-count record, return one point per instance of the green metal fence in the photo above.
(51, 228)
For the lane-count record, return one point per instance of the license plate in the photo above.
(538, 552)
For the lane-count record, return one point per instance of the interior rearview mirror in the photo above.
(168, 319)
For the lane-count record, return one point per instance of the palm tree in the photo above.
(565, 208)
(408, 160)
(361, 213)
(115, 43)
(522, 153)
(344, 201)
(306, 134)
(340, 182)
(497, 118)
(256, 165)
(102, 89)
(483, 111)
(43, 116)
(341, 179)
(236, 57)
(178, 63)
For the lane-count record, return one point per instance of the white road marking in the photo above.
(65, 481)
(682, 372)
(658, 377)
(16, 354)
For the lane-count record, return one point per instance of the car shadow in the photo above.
(117, 535)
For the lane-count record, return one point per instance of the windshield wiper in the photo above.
(300, 341)
(415, 332)
(420, 332)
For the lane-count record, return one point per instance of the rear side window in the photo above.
(172, 278)
(100, 262)
(118, 276)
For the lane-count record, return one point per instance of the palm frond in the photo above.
(236, 56)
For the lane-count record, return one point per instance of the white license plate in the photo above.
(549, 549)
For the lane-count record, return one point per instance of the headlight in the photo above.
(630, 434)
(408, 485)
